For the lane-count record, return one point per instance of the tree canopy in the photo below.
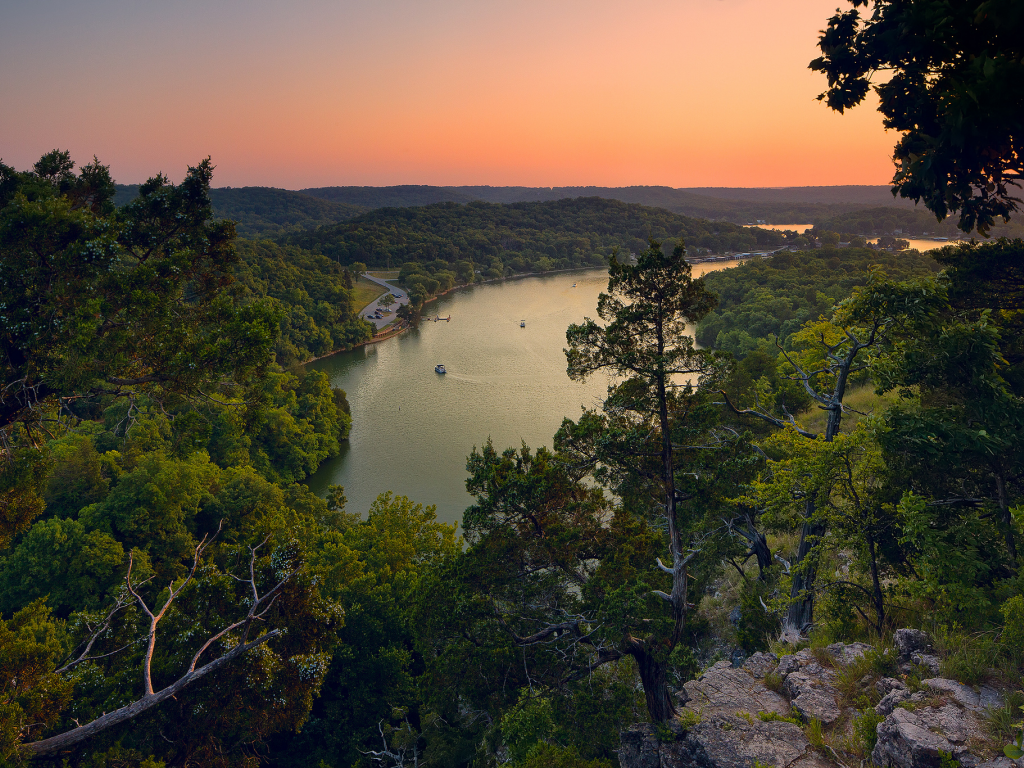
(950, 80)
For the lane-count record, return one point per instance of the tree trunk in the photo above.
(654, 678)
(875, 583)
(801, 610)
(1004, 516)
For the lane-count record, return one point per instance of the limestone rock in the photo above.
(735, 743)
(909, 641)
(926, 660)
(760, 664)
(914, 739)
(891, 700)
(976, 701)
(724, 690)
(886, 685)
(847, 653)
(720, 742)
(904, 741)
(793, 662)
(812, 698)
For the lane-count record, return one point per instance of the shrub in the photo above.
(865, 728)
(1013, 627)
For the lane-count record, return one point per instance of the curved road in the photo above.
(401, 297)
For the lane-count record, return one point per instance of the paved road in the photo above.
(401, 297)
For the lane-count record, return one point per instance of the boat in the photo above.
(439, 369)
(522, 323)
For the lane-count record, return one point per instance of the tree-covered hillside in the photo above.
(567, 233)
(311, 295)
(741, 206)
(914, 221)
(265, 211)
(777, 296)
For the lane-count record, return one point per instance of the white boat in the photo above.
(439, 369)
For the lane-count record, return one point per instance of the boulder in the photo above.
(950, 725)
(904, 741)
(724, 690)
(720, 742)
(846, 653)
(976, 701)
(760, 664)
(909, 641)
(886, 685)
(927, 660)
(891, 700)
(812, 698)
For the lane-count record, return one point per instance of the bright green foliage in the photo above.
(845, 478)
(98, 302)
(309, 294)
(374, 569)
(93, 298)
(31, 645)
(1013, 627)
(777, 296)
(71, 566)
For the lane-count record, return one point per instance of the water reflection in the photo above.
(413, 428)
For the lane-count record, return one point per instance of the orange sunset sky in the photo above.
(535, 92)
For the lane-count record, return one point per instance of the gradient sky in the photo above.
(351, 92)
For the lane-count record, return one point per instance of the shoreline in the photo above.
(517, 276)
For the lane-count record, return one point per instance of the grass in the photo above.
(861, 398)
(967, 657)
(1004, 724)
(775, 717)
(365, 292)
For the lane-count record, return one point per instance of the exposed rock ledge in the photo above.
(945, 718)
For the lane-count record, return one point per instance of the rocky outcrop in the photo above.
(726, 691)
(734, 720)
(945, 718)
(720, 742)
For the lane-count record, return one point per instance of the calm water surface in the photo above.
(412, 429)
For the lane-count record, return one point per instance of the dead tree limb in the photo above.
(261, 604)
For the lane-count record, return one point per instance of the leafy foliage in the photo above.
(777, 296)
(520, 237)
(954, 93)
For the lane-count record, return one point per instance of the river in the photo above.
(412, 429)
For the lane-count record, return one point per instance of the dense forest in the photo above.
(777, 296)
(872, 222)
(270, 212)
(740, 206)
(560, 234)
(171, 594)
(265, 211)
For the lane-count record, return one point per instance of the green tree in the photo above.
(646, 310)
(103, 303)
(954, 90)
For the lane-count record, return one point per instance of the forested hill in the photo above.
(272, 212)
(568, 232)
(912, 222)
(266, 211)
(776, 206)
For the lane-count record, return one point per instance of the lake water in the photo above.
(801, 228)
(412, 429)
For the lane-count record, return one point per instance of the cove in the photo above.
(412, 429)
